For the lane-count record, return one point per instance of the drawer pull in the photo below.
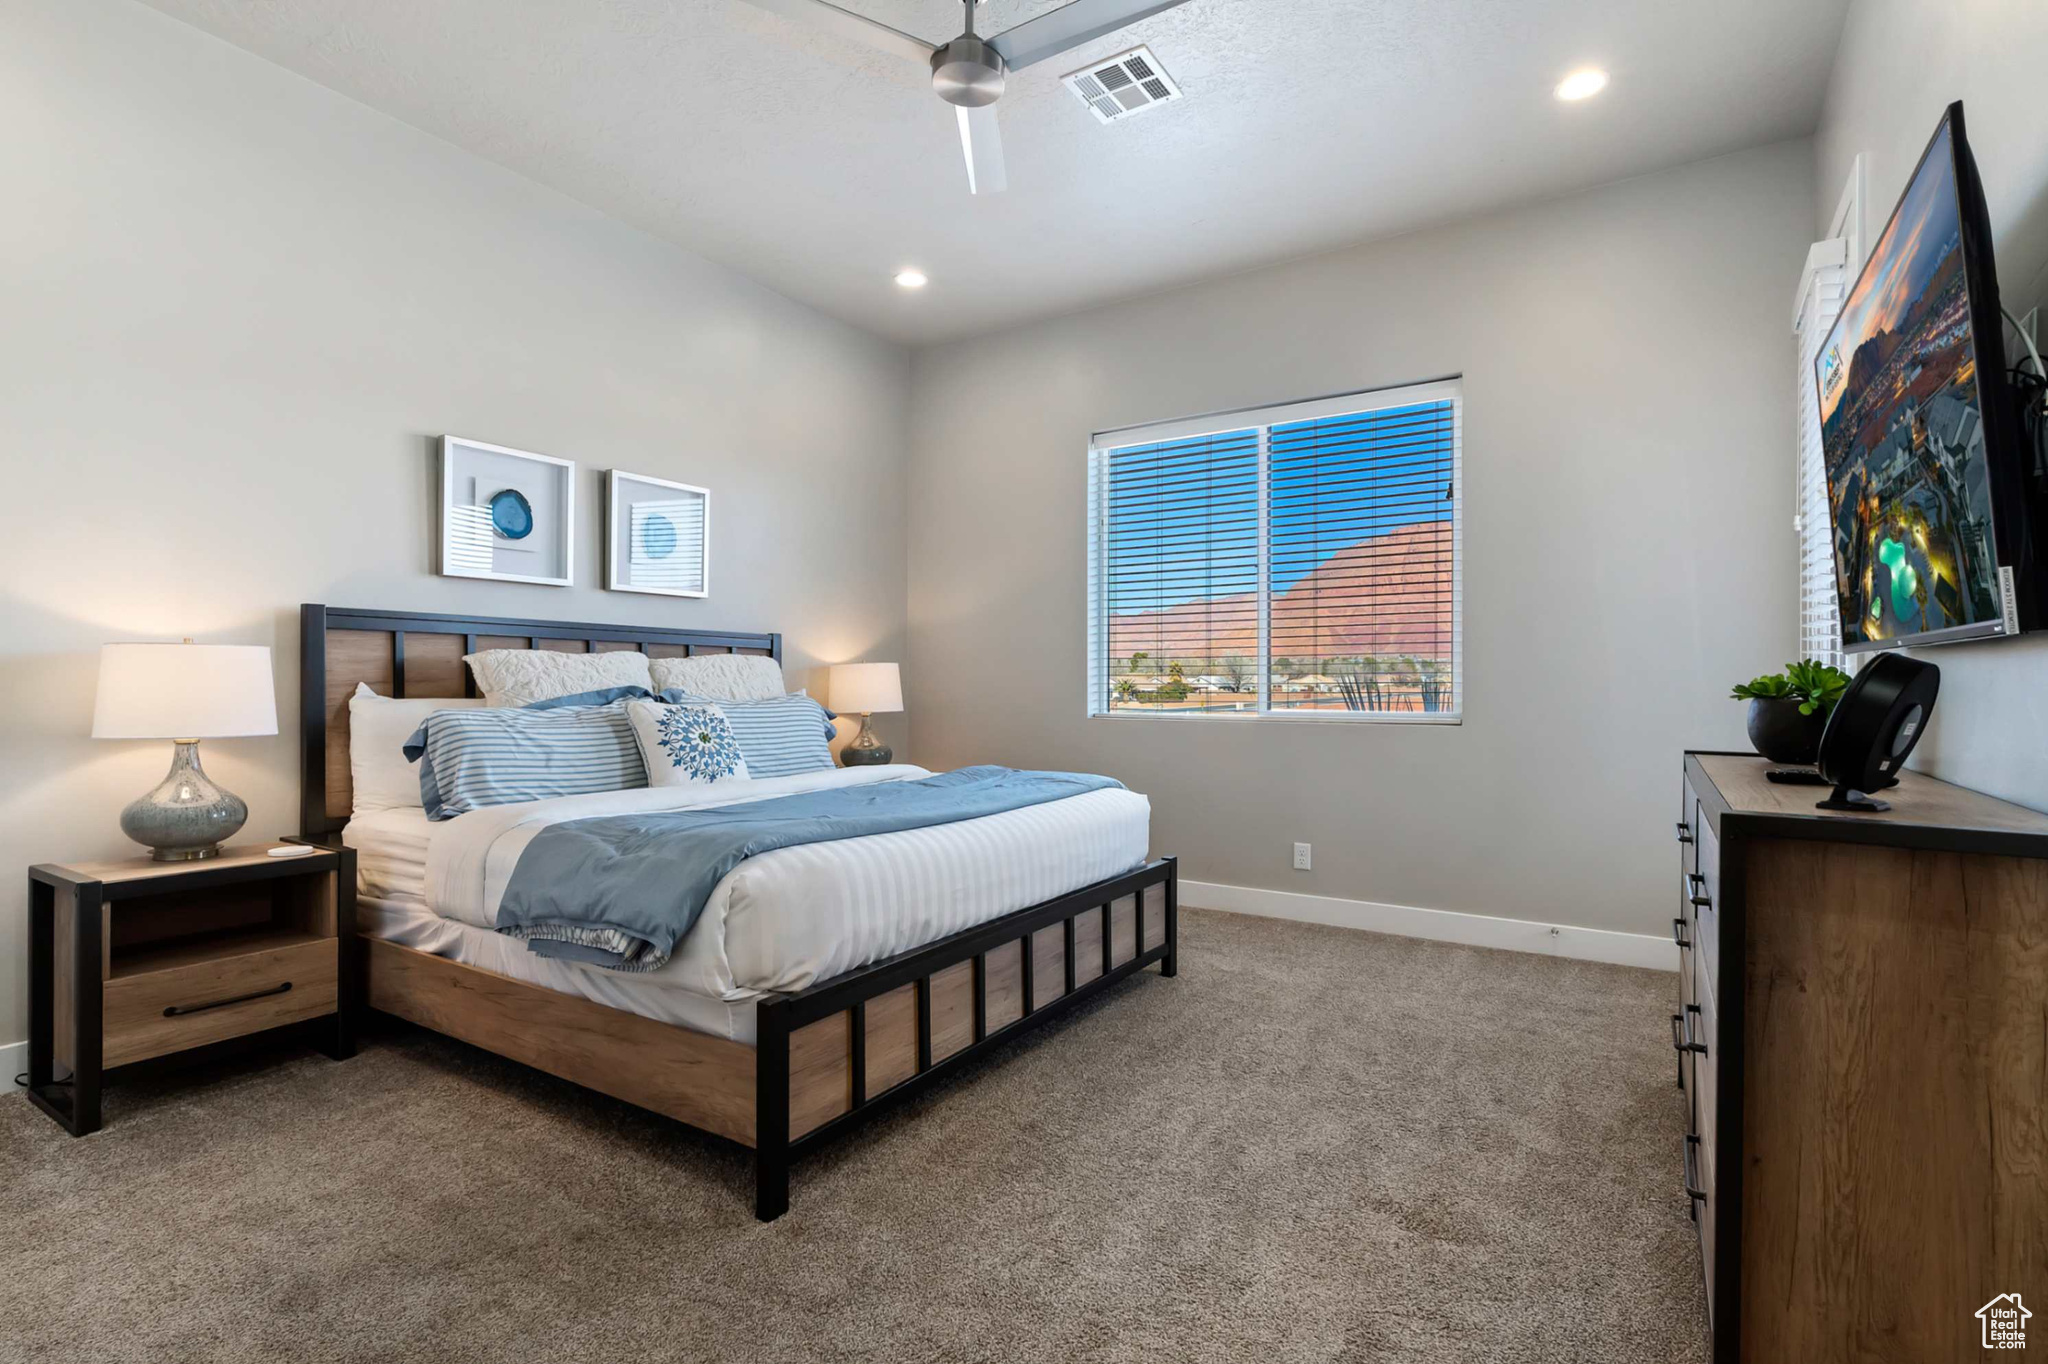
(1681, 1032)
(1678, 933)
(1693, 1191)
(1684, 832)
(180, 1010)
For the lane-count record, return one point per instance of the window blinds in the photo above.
(1303, 561)
(1824, 285)
(1180, 568)
(1362, 557)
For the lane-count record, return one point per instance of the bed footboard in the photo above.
(836, 1055)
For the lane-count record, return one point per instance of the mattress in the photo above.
(391, 854)
(778, 922)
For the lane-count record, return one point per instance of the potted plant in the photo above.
(1789, 710)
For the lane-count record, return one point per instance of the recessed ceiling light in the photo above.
(911, 279)
(1582, 84)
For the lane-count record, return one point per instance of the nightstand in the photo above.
(136, 959)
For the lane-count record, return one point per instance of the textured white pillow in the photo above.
(722, 677)
(520, 677)
(686, 745)
(378, 727)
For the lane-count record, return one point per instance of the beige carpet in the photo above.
(1313, 1145)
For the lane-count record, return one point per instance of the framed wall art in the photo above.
(506, 514)
(657, 536)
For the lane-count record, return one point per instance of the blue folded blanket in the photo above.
(622, 890)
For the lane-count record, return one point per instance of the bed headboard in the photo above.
(408, 653)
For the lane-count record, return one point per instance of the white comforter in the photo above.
(788, 918)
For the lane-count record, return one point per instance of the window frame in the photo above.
(1831, 266)
(1823, 288)
(1450, 389)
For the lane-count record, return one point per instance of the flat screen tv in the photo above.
(1929, 490)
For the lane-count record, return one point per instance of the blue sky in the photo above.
(1184, 514)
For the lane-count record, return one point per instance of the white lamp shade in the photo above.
(184, 691)
(866, 688)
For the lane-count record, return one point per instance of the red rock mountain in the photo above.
(1388, 595)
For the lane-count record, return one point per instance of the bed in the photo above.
(774, 1025)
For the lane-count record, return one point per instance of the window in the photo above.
(1823, 287)
(1299, 561)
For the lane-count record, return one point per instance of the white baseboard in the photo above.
(13, 1061)
(1439, 925)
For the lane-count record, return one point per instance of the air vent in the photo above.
(1126, 84)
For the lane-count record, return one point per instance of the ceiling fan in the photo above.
(969, 72)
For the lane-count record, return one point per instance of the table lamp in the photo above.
(184, 692)
(866, 689)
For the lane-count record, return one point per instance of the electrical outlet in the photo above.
(1301, 857)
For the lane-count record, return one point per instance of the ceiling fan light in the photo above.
(911, 279)
(967, 72)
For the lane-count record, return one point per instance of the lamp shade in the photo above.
(184, 691)
(866, 688)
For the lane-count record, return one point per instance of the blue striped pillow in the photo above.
(780, 738)
(495, 756)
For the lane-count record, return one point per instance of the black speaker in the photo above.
(1880, 717)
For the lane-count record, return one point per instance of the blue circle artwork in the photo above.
(657, 536)
(511, 514)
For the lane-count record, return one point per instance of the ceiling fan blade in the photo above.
(982, 143)
(849, 25)
(1070, 26)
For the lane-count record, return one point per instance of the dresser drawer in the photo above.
(1681, 920)
(1685, 932)
(1682, 934)
(154, 1012)
(1684, 1026)
(1688, 816)
(1699, 1188)
(1705, 1074)
(1704, 899)
(1703, 1046)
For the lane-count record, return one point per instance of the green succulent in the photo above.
(1815, 686)
(1769, 687)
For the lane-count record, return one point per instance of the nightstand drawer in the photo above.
(155, 1012)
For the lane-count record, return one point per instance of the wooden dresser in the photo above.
(1862, 1042)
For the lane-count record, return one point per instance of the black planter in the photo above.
(1779, 732)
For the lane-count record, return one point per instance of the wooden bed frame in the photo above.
(827, 1058)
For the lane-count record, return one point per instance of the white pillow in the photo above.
(378, 727)
(520, 677)
(686, 745)
(722, 677)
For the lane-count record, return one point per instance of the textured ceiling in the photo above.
(820, 168)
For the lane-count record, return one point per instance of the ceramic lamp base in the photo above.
(187, 816)
(866, 750)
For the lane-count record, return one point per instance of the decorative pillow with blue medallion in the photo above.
(686, 745)
(782, 737)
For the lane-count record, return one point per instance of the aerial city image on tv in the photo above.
(1902, 429)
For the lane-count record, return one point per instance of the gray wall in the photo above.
(1628, 380)
(1901, 63)
(236, 308)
